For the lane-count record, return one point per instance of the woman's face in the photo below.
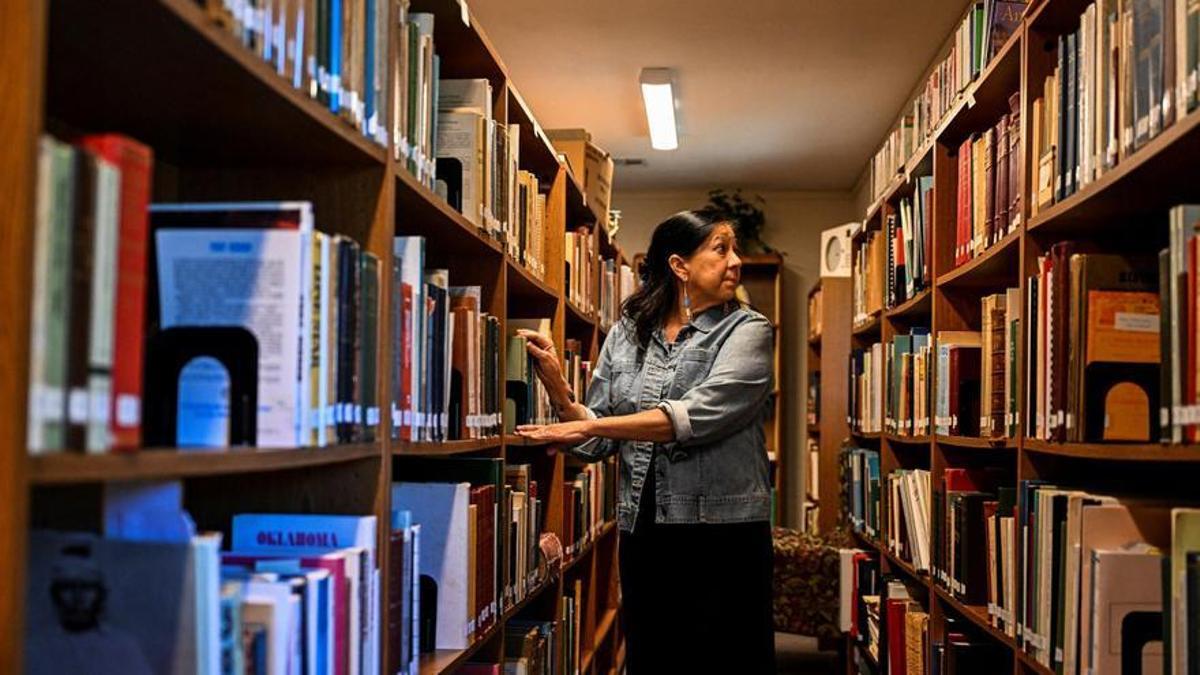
(713, 271)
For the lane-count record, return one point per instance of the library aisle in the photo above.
(341, 336)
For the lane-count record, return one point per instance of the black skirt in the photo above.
(696, 598)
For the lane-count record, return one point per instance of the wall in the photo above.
(794, 224)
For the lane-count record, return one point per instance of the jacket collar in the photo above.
(706, 320)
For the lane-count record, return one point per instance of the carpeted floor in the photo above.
(798, 655)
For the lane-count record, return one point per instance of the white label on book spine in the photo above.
(98, 407)
(1136, 322)
(129, 410)
(77, 406)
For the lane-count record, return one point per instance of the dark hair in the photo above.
(681, 234)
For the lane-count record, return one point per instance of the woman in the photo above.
(680, 391)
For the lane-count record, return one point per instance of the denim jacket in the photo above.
(713, 382)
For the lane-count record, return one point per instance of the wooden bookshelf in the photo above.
(762, 277)
(1125, 209)
(224, 125)
(828, 356)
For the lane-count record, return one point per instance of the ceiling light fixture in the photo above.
(659, 97)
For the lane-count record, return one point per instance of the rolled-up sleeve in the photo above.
(598, 405)
(733, 394)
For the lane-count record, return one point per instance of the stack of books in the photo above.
(1126, 72)
(989, 186)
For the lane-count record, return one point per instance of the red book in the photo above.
(136, 163)
(395, 600)
(406, 346)
(896, 611)
(335, 564)
(963, 229)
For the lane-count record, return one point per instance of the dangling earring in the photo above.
(687, 302)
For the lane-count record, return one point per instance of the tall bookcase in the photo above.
(828, 352)
(1124, 210)
(224, 126)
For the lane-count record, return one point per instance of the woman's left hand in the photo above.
(563, 433)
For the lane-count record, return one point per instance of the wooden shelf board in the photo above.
(976, 615)
(531, 292)
(419, 211)
(986, 100)
(523, 442)
(996, 267)
(907, 440)
(1146, 185)
(815, 340)
(576, 314)
(866, 435)
(920, 305)
(974, 442)
(462, 47)
(210, 101)
(872, 222)
(537, 152)
(868, 327)
(449, 660)
(431, 449)
(586, 550)
(1032, 663)
(866, 653)
(1121, 452)
(578, 211)
(154, 464)
(904, 566)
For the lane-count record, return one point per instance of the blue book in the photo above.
(368, 92)
(335, 55)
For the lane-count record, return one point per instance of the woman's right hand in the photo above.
(545, 360)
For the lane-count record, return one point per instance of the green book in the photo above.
(51, 297)
(368, 357)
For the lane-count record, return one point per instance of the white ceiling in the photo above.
(772, 94)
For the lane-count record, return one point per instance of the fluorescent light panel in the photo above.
(659, 97)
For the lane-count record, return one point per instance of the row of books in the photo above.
(483, 520)
(913, 649)
(415, 95)
(616, 285)
(446, 360)
(999, 340)
(1107, 577)
(579, 253)
(909, 381)
(88, 296)
(989, 185)
(591, 501)
(956, 381)
(984, 29)
(815, 313)
(868, 272)
(526, 400)
(479, 174)
(294, 593)
(335, 50)
(861, 493)
(1125, 73)
(576, 368)
(910, 244)
(1095, 334)
(865, 407)
(525, 228)
(535, 647)
(306, 306)
(906, 505)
